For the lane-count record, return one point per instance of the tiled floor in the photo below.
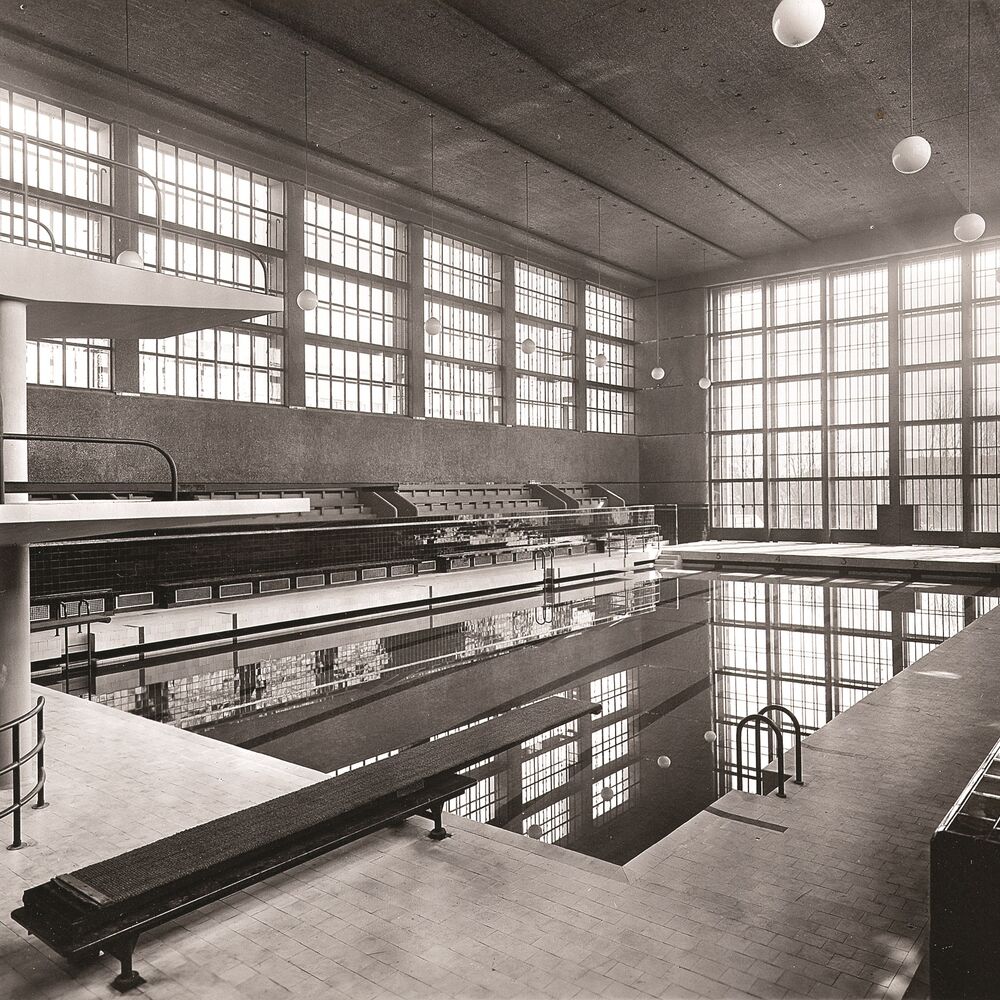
(837, 555)
(822, 894)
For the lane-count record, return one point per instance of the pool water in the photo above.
(673, 659)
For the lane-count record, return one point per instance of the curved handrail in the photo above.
(757, 719)
(23, 718)
(76, 439)
(798, 737)
(18, 760)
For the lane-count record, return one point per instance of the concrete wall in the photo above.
(236, 442)
(672, 416)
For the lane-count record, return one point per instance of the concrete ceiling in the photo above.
(685, 115)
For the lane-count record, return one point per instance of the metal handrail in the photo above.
(39, 193)
(75, 439)
(37, 792)
(35, 222)
(798, 736)
(757, 719)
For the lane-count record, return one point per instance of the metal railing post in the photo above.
(757, 719)
(40, 802)
(15, 743)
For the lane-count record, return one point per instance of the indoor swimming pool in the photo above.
(676, 660)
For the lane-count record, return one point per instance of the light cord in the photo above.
(657, 303)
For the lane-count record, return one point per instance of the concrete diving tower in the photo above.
(53, 295)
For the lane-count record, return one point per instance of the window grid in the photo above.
(225, 363)
(545, 387)
(462, 368)
(361, 381)
(354, 238)
(930, 348)
(985, 427)
(204, 193)
(609, 318)
(72, 363)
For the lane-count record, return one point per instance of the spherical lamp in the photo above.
(432, 326)
(711, 736)
(129, 258)
(911, 154)
(970, 227)
(307, 300)
(657, 374)
(704, 382)
(528, 345)
(601, 361)
(797, 22)
(663, 762)
(607, 794)
(535, 831)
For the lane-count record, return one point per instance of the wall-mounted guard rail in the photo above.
(757, 720)
(75, 439)
(18, 761)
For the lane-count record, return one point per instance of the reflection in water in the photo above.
(235, 683)
(707, 651)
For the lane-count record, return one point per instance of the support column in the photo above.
(15, 636)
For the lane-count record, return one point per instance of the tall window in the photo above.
(930, 413)
(858, 404)
(795, 403)
(40, 143)
(985, 426)
(610, 323)
(356, 262)
(462, 363)
(737, 405)
(817, 380)
(224, 225)
(545, 303)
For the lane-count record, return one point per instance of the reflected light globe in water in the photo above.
(535, 831)
(711, 736)
(663, 761)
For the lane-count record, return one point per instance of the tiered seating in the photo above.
(583, 495)
(463, 498)
(327, 503)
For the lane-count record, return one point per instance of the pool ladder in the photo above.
(758, 719)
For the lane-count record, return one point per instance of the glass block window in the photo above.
(545, 383)
(610, 324)
(341, 378)
(223, 363)
(72, 363)
(462, 366)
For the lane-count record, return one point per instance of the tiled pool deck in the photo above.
(822, 894)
